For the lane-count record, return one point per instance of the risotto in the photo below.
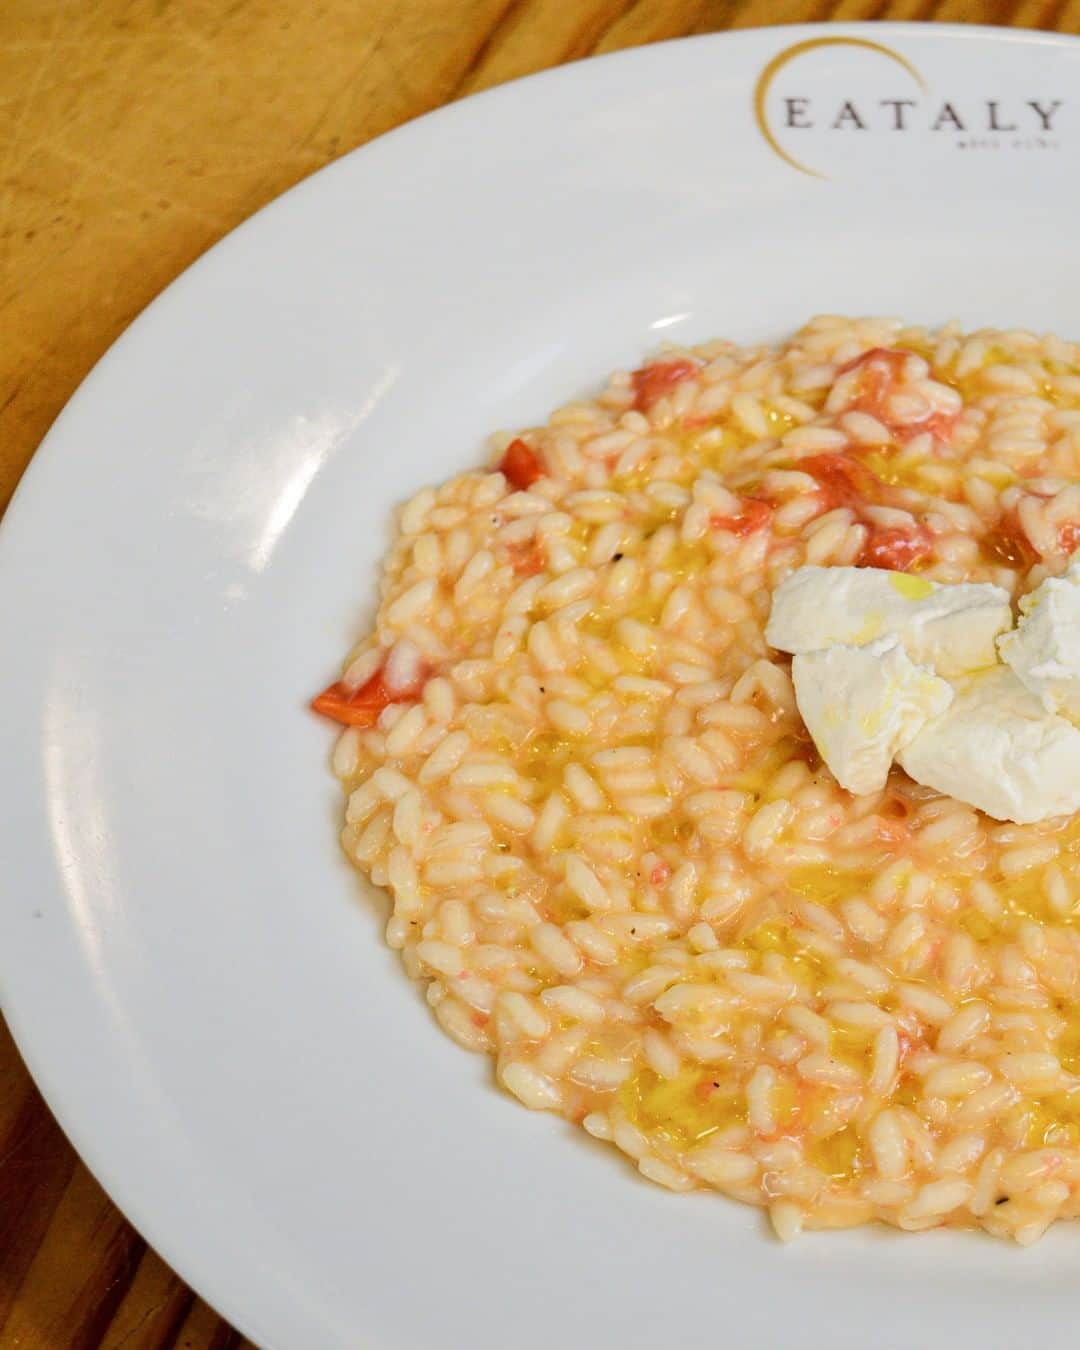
(613, 853)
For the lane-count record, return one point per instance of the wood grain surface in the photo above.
(133, 134)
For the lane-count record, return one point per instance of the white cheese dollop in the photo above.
(997, 747)
(951, 628)
(863, 704)
(1044, 648)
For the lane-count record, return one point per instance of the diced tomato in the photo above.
(1007, 544)
(940, 425)
(881, 367)
(752, 516)
(843, 481)
(658, 378)
(527, 559)
(897, 549)
(660, 874)
(847, 482)
(521, 465)
(480, 1019)
(877, 359)
(354, 707)
(1068, 536)
(360, 707)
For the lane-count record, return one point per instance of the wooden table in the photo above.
(133, 134)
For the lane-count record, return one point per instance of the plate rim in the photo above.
(29, 503)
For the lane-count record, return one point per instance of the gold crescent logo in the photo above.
(776, 65)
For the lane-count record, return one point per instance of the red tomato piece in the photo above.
(521, 465)
(354, 707)
(1069, 536)
(658, 378)
(940, 425)
(1007, 544)
(880, 368)
(843, 480)
(879, 358)
(527, 559)
(752, 516)
(847, 482)
(897, 549)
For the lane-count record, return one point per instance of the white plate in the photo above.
(195, 979)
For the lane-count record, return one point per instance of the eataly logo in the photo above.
(794, 113)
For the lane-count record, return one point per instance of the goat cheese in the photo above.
(863, 704)
(1044, 647)
(996, 747)
(951, 628)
